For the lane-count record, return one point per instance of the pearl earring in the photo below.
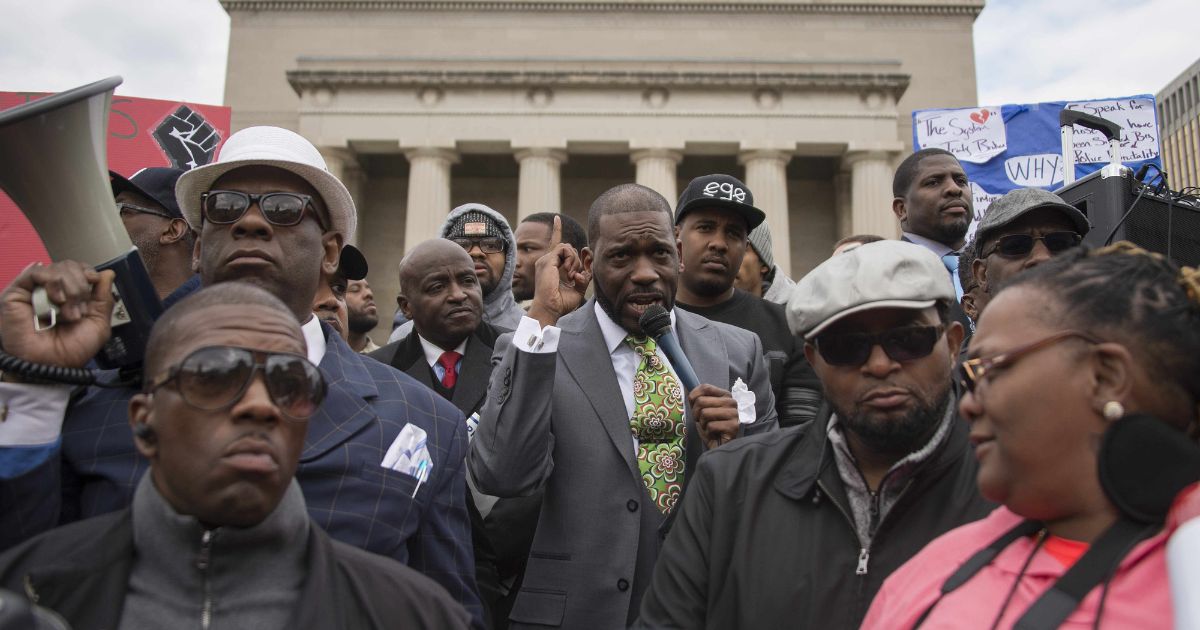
(1113, 410)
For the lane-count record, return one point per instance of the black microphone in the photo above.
(656, 322)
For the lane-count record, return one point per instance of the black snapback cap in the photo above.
(720, 191)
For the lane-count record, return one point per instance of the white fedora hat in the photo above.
(270, 146)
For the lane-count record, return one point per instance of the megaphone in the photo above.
(54, 165)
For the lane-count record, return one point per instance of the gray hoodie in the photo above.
(500, 309)
(780, 289)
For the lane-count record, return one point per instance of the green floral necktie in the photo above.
(658, 424)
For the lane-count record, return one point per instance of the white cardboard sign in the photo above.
(973, 135)
(1139, 136)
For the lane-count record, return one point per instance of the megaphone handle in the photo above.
(43, 310)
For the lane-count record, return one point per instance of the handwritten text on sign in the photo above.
(981, 200)
(973, 135)
(1139, 136)
(1043, 170)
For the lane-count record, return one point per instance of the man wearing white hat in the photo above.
(799, 528)
(382, 466)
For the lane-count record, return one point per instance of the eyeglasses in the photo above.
(123, 208)
(278, 208)
(972, 371)
(900, 344)
(215, 377)
(487, 245)
(1019, 245)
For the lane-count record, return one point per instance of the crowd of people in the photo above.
(917, 433)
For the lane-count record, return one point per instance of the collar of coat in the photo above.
(813, 454)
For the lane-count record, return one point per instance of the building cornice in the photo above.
(599, 114)
(966, 8)
(303, 80)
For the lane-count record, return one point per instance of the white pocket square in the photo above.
(408, 451)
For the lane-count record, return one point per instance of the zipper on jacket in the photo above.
(874, 510)
(203, 563)
(30, 591)
(864, 552)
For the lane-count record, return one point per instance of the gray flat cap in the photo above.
(885, 274)
(1015, 204)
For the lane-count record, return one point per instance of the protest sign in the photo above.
(141, 133)
(1017, 146)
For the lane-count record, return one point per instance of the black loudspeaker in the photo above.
(1104, 200)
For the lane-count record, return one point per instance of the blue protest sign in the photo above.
(1017, 146)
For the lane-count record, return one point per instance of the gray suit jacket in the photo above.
(558, 421)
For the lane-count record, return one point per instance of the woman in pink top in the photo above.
(1065, 351)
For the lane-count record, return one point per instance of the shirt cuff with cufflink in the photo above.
(531, 337)
(32, 414)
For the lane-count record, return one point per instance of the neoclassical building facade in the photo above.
(540, 105)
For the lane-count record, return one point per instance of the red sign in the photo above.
(142, 132)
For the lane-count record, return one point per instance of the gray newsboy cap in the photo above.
(1015, 204)
(885, 274)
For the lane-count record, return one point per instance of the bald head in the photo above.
(433, 252)
(622, 199)
(172, 326)
(440, 292)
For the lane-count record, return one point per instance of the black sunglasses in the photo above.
(215, 377)
(487, 245)
(901, 344)
(1018, 245)
(284, 209)
(123, 208)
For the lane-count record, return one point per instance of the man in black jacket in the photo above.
(218, 533)
(713, 219)
(799, 528)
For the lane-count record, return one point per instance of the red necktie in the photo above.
(448, 360)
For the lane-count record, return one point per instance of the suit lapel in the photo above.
(345, 410)
(704, 348)
(410, 359)
(473, 375)
(706, 352)
(583, 353)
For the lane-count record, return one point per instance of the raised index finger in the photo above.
(555, 232)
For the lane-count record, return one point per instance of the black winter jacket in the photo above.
(81, 571)
(765, 538)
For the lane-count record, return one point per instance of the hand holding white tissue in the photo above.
(745, 402)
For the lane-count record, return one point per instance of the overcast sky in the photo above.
(1026, 50)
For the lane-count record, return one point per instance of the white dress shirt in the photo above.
(433, 354)
(314, 339)
(529, 335)
(941, 249)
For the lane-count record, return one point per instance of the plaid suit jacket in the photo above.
(348, 492)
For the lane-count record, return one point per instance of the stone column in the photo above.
(343, 164)
(540, 187)
(656, 170)
(766, 176)
(871, 193)
(841, 196)
(428, 192)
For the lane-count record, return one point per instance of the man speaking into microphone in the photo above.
(590, 408)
